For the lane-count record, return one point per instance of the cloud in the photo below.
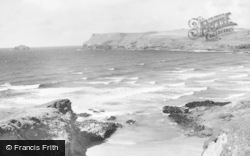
(71, 22)
(239, 9)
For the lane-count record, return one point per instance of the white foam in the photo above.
(141, 64)
(232, 96)
(178, 71)
(84, 78)
(175, 97)
(197, 89)
(99, 82)
(151, 82)
(195, 75)
(78, 73)
(48, 92)
(175, 93)
(23, 101)
(3, 89)
(111, 69)
(124, 93)
(239, 76)
(115, 79)
(177, 84)
(134, 78)
(20, 87)
(172, 123)
(131, 82)
(181, 70)
(242, 82)
(110, 141)
(241, 67)
(225, 69)
(207, 81)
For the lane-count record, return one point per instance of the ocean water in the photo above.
(128, 84)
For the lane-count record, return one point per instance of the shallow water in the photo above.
(127, 84)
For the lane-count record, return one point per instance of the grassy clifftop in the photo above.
(168, 40)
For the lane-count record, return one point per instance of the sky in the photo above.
(38, 23)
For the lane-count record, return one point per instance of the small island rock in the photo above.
(21, 47)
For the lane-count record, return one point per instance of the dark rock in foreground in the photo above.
(53, 121)
(111, 118)
(226, 124)
(97, 111)
(131, 122)
(206, 103)
(96, 132)
(173, 109)
(85, 115)
(21, 47)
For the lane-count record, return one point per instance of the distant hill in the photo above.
(168, 40)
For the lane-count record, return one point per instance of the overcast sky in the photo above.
(71, 22)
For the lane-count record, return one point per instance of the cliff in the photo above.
(54, 121)
(227, 125)
(168, 40)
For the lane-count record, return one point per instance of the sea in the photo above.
(131, 85)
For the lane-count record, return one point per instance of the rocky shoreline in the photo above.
(54, 121)
(225, 123)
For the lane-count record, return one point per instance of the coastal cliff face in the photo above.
(53, 121)
(239, 40)
(226, 123)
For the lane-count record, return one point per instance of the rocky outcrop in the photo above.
(112, 118)
(175, 40)
(53, 121)
(173, 109)
(206, 103)
(21, 47)
(84, 115)
(226, 123)
(95, 132)
(130, 122)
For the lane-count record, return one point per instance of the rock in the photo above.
(119, 125)
(63, 106)
(21, 47)
(111, 118)
(53, 121)
(182, 119)
(173, 109)
(96, 132)
(226, 124)
(97, 111)
(85, 115)
(206, 103)
(131, 122)
(188, 116)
